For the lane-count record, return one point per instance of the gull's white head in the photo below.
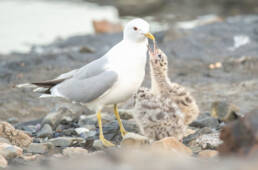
(137, 30)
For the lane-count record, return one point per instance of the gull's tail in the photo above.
(42, 87)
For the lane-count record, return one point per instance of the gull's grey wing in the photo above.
(88, 89)
(92, 69)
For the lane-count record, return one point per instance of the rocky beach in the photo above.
(216, 58)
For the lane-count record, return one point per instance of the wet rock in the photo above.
(105, 26)
(207, 154)
(134, 140)
(45, 131)
(205, 120)
(171, 144)
(16, 137)
(39, 148)
(10, 151)
(75, 151)
(3, 162)
(195, 135)
(67, 141)
(240, 137)
(224, 111)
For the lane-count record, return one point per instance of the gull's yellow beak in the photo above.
(150, 36)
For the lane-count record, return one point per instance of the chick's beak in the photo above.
(150, 36)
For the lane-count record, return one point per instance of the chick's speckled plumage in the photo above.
(158, 117)
(162, 86)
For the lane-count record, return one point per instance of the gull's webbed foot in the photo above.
(105, 142)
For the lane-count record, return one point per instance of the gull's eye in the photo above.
(135, 28)
(159, 55)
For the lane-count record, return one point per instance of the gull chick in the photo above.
(158, 117)
(109, 80)
(162, 86)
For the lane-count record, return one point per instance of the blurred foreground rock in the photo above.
(240, 138)
(172, 144)
(16, 137)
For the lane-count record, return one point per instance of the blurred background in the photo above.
(27, 22)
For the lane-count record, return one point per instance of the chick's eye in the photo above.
(159, 55)
(135, 28)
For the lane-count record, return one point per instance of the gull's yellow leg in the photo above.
(101, 136)
(122, 129)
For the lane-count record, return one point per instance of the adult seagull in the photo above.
(109, 80)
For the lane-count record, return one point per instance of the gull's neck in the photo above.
(160, 83)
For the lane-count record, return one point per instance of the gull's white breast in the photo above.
(128, 61)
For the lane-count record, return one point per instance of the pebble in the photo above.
(206, 121)
(39, 148)
(134, 140)
(10, 151)
(207, 141)
(66, 141)
(45, 131)
(198, 133)
(208, 154)
(171, 144)
(75, 151)
(85, 133)
(97, 144)
(3, 162)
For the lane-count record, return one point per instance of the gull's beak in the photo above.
(150, 36)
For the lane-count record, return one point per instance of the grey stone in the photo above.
(67, 141)
(39, 148)
(189, 138)
(45, 131)
(97, 144)
(10, 151)
(205, 121)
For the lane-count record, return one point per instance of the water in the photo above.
(27, 22)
